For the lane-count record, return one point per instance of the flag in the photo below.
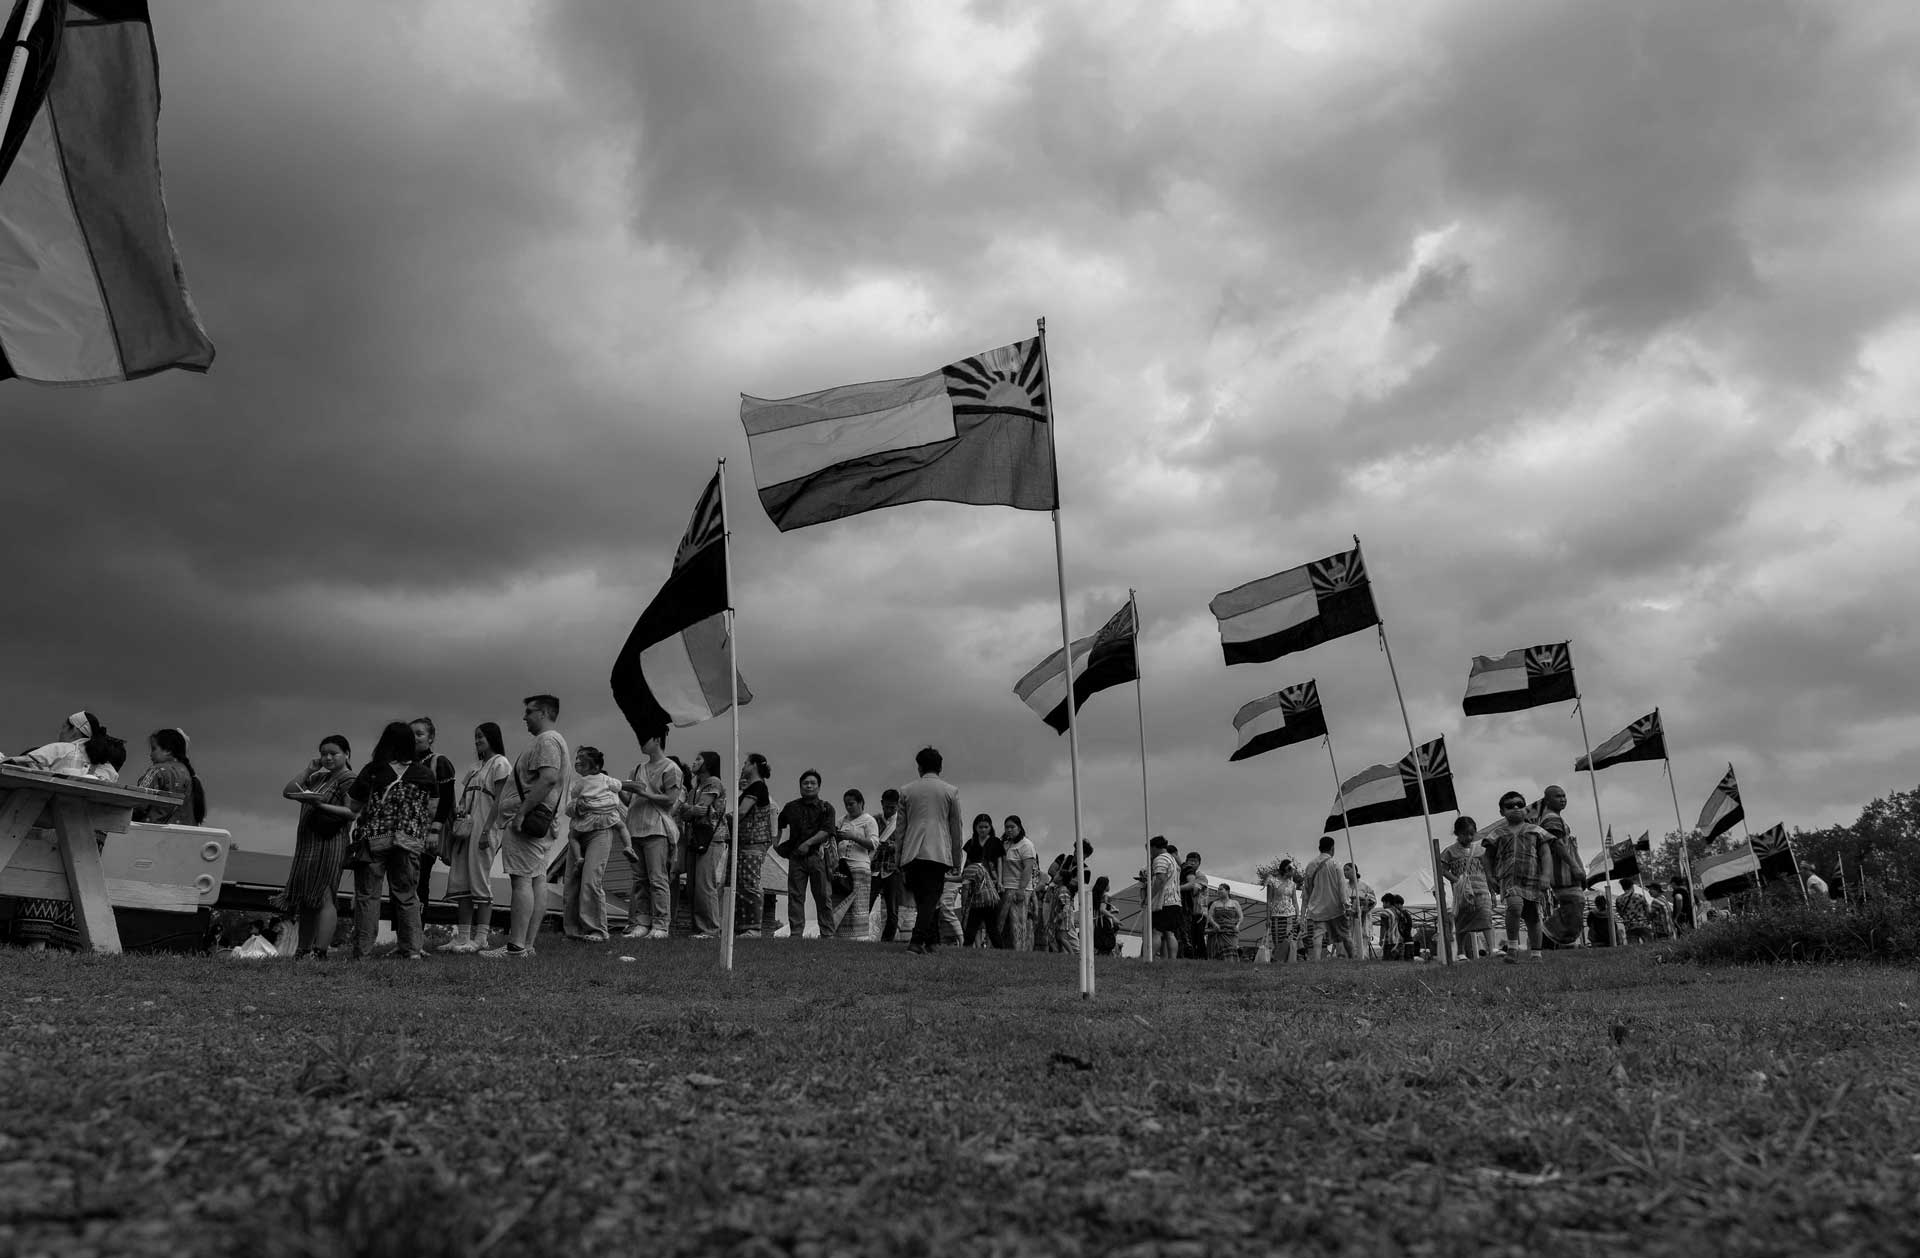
(1618, 860)
(1723, 810)
(1293, 610)
(673, 668)
(1642, 740)
(1287, 716)
(1526, 678)
(1722, 873)
(1389, 792)
(1108, 658)
(974, 431)
(91, 289)
(1773, 852)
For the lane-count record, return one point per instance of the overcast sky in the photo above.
(1595, 321)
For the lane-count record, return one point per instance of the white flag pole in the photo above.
(1146, 811)
(1445, 943)
(1340, 795)
(17, 64)
(1680, 828)
(1083, 894)
(1593, 779)
(729, 893)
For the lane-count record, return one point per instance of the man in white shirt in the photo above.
(1163, 898)
(1325, 892)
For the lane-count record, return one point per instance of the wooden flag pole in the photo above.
(729, 892)
(1340, 796)
(1146, 810)
(17, 64)
(1083, 894)
(1444, 947)
(1606, 848)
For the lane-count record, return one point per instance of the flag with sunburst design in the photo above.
(975, 431)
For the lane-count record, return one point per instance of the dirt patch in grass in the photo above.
(832, 1098)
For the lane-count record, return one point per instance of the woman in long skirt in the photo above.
(859, 834)
(319, 844)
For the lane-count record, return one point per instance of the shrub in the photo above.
(1775, 934)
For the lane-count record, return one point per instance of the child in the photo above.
(594, 803)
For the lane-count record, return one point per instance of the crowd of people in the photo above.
(910, 866)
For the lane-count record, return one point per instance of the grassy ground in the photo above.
(833, 1098)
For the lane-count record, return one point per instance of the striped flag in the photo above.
(975, 431)
(1774, 853)
(1525, 678)
(1108, 658)
(1723, 872)
(1723, 810)
(1285, 717)
(1642, 740)
(673, 668)
(1296, 609)
(1390, 792)
(91, 289)
(1618, 860)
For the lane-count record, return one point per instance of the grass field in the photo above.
(839, 1099)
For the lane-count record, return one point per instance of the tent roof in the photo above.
(1416, 890)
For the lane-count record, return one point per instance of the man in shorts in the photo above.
(1324, 891)
(535, 795)
(1520, 847)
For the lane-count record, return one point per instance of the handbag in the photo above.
(840, 878)
(535, 822)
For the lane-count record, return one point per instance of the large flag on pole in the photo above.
(1723, 810)
(1642, 740)
(1618, 860)
(91, 288)
(1390, 792)
(1106, 659)
(673, 668)
(1723, 872)
(974, 431)
(1296, 609)
(1773, 853)
(1282, 718)
(1524, 678)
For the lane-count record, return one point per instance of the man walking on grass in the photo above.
(931, 840)
(1324, 889)
(531, 802)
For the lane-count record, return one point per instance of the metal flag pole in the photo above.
(728, 891)
(17, 63)
(1146, 809)
(1340, 796)
(1593, 779)
(1680, 828)
(1083, 893)
(1445, 943)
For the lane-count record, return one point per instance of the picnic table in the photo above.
(48, 848)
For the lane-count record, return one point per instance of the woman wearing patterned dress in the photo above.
(171, 773)
(856, 838)
(475, 838)
(319, 844)
(755, 810)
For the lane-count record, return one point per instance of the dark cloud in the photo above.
(1591, 319)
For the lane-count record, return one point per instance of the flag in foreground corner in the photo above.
(1724, 872)
(974, 431)
(91, 288)
(1774, 853)
(1389, 792)
(1285, 717)
(1723, 809)
(39, 39)
(1525, 678)
(1296, 609)
(673, 668)
(1108, 658)
(1642, 740)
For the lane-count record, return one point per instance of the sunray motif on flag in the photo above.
(1296, 609)
(1390, 792)
(1010, 380)
(1527, 677)
(1101, 661)
(1723, 809)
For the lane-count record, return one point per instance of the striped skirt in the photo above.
(850, 914)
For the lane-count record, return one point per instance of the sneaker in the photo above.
(637, 932)
(704, 935)
(1539, 956)
(747, 934)
(505, 951)
(658, 932)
